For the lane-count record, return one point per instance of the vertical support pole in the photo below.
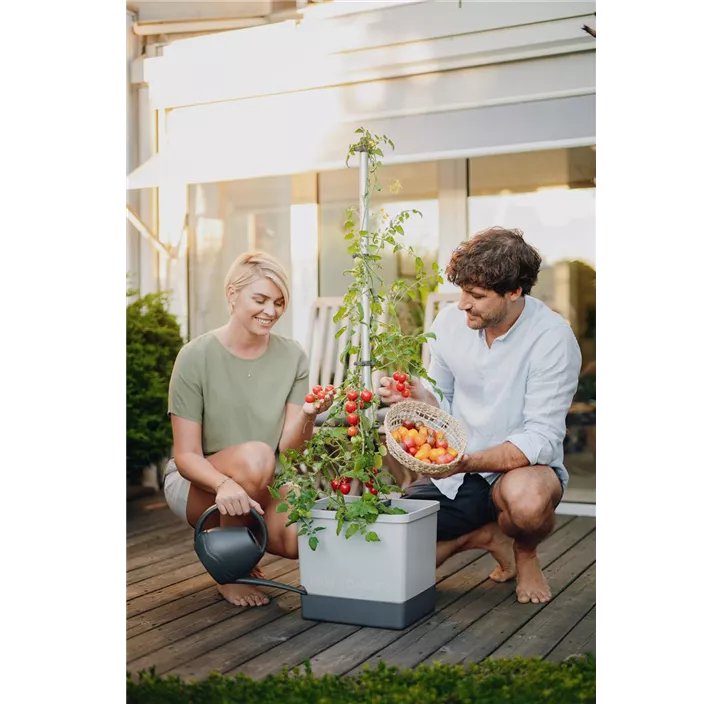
(366, 294)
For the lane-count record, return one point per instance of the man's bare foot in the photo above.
(531, 583)
(242, 595)
(502, 550)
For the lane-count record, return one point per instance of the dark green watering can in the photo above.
(230, 553)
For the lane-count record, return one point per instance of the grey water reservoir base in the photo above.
(376, 614)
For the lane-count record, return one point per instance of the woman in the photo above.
(237, 399)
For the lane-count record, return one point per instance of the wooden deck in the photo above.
(179, 624)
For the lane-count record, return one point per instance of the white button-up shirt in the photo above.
(518, 390)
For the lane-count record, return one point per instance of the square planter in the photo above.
(386, 584)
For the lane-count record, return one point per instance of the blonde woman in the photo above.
(236, 399)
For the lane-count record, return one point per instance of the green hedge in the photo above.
(153, 340)
(509, 681)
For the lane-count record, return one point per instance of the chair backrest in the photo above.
(324, 349)
(434, 304)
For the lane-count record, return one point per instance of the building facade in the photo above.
(242, 138)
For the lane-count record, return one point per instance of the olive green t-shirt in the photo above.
(237, 400)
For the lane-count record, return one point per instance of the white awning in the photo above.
(216, 152)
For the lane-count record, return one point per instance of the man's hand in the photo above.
(319, 406)
(461, 466)
(388, 392)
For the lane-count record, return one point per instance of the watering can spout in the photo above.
(270, 583)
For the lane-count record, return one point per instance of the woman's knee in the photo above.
(253, 464)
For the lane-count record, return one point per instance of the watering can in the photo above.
(230, 553)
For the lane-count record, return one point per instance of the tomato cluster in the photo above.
(343, 484)
(351, 406)
(400, 379)
(426, 444)
(320, 393)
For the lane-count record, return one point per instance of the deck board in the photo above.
(178, 623)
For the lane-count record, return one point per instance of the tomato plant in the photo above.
(355, 451)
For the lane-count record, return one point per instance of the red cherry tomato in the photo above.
(396, 376)
(376, 471)
(345, 488)
(351, 407)
(352, 419)
(353, 430)
(330, 389)
(412, 450)
(317, 390)
(374, 491)
(403, 377)
(334, 484)
(351, 395)
(408, 423)
(310, 398)
(401, 387)
(406, 393)
(366, 395)
(369, 483)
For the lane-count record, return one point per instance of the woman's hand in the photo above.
(232, 499)
(319, 406)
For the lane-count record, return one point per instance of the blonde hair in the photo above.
(252, 265)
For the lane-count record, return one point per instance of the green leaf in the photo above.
(341, 331)
(371, 537)
(274, 492)
(282, 508)
(313, 542)
(353, 528)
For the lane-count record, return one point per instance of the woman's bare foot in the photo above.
(242, 595)
(245, 594)
(531, 583)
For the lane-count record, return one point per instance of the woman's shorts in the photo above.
(176, 489)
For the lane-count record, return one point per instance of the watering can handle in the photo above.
(256, 515)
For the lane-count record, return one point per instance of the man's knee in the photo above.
(528, 499)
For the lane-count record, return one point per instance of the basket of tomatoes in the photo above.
(423, 438)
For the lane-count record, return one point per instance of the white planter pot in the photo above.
(386, 584)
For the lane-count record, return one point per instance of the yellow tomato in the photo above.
(403, 432)
(452, 451)
(436, 452)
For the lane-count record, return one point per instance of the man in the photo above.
(508, 368)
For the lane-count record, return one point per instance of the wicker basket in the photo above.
(434, 418)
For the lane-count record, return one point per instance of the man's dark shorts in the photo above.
(472, 508)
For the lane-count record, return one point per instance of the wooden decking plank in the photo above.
(160, 567)
(167, 579)
(372, 645)
(145, 524)
(189, 600)
(581, 639)
(178, 626)
(156, 537)
(295, 650)
(195, 649)
(143, 559)
(540, 635)
(167, 594)
(489, 632)
(278, 626)
(172, 593)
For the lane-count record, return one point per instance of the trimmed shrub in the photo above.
(153, 340)
(503, 681)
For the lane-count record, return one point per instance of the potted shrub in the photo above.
(369, 559)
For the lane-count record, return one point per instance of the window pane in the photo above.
(403, 187)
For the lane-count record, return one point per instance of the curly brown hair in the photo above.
(495, 259)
